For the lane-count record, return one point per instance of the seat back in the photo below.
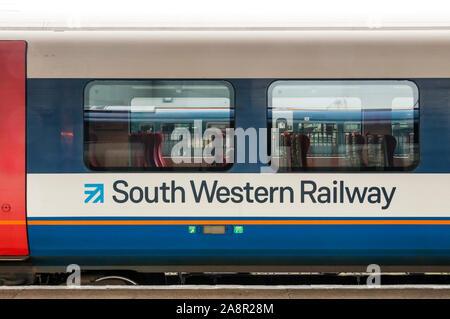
(304, 142)
(157, 150)
(92, 154)
(391, 144)
(149, 141)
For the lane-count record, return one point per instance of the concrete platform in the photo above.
(226, 292)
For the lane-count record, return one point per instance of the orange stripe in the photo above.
(239, 222)
(12, 222)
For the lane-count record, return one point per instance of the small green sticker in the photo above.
(238, 229)
(192, 229)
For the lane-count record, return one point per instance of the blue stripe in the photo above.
(259, 244)
(56, 105)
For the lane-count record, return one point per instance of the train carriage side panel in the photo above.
(64, 228)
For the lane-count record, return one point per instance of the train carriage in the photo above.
(334, 149)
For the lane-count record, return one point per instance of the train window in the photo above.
(344, 125)
(156, 124)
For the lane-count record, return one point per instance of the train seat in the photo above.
(92, 154)
(157, 150)
(149, 142)
(305, 143)
(391, 144)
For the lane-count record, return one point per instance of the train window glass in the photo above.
(157, 124)
(344, 125)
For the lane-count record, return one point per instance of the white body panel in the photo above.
(236, 54)
(62, 195)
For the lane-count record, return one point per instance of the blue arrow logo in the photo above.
(93, 189)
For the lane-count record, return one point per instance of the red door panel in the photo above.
(13, 228)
